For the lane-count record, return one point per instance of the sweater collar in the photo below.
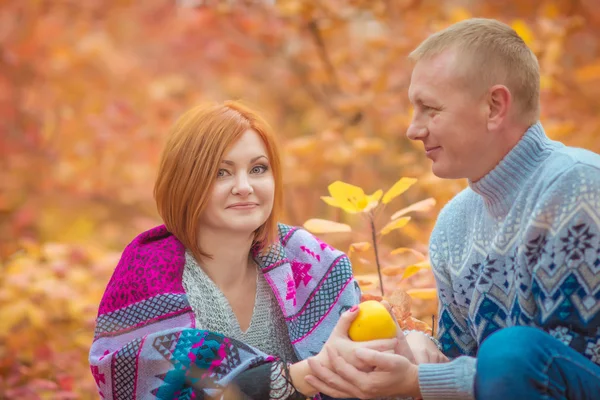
(500, 187)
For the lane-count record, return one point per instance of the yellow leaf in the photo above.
(331, 201)
(402, 250)
(348, 197)
(376, 196)
(324, 226)
(424, 294)
(373, 200)
(413, 269)
(523, 31)
(399, 187)
(391, 271)
(397, 224)
(421, 206)
(360, 247)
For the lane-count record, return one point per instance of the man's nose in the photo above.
(416, 131)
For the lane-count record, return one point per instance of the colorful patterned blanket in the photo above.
(146, 344)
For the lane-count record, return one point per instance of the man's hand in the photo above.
(424, 349)
(393, 375)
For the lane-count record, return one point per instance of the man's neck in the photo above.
(231, 263)
(504, 142)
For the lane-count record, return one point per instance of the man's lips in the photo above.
(431, 150)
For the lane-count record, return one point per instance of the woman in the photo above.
(221, 293)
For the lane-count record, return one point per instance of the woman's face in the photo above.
(242, 196)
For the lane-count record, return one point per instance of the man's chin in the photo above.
(443, 172)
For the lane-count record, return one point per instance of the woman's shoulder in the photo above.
(150, 265)
(296, 239)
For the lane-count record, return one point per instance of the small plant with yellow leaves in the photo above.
(353, 200)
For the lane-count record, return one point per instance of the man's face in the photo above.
(449, 118)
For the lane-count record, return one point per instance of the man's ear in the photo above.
(499, 102)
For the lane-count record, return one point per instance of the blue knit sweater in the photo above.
(521, 246)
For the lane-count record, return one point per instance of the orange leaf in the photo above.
(421, 326)
(392, 271)
(368, 296)
(420, 206)
(359, 247)
(402, 250)
(424, 294)
(400, 302)
(316, 225)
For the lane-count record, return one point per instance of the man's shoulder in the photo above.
(570, 170)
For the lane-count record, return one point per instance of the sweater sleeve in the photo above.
(453, 380)
(561, 251)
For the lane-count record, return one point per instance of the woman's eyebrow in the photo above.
(228, 162)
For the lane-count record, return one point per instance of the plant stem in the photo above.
(374, 237)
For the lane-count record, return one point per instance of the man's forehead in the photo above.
(432, 72)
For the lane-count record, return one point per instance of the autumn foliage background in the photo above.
(89, 89)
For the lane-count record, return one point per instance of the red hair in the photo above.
(190, 161)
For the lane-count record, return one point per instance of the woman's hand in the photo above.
(345, 347)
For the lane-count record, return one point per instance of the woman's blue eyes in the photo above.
(259, 169)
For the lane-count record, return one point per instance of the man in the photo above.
(516, 255)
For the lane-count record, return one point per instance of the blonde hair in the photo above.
(190, 161)
(494, 54)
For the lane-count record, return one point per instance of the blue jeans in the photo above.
(527, 363)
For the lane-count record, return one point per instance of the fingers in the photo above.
(382, 361)
(387, 306)
(322, 387)
(328, 382)
(422, 357)
(403, 348)
(343, 324)
(439, 357)
(379, 344)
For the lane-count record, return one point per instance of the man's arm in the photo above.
(453, 380)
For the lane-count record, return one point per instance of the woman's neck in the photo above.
(231, 264)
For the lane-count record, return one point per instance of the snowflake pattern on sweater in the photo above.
(522, 247)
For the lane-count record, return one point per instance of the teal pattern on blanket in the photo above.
(522, 247)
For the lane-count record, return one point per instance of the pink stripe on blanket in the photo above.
(326, 314)
(315, 290)
(287, 236)
(275, 265)
(276, 293)
(137, 361)
(147, 322)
